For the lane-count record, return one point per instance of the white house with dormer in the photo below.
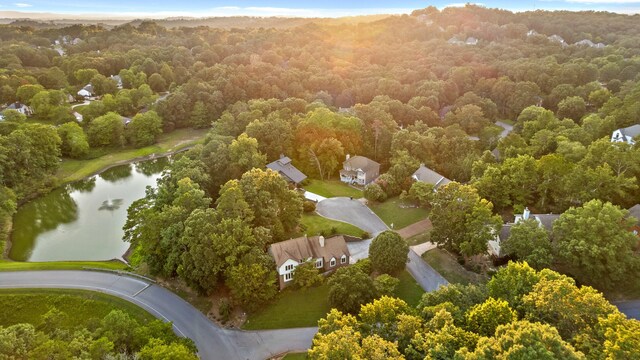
(627, 134)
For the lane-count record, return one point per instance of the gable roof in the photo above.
(16, 106)
(429, 176)
(547, 220)
(631, 131)
(361, 162)
(304, 247)
(286, 169)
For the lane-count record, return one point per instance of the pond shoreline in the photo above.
(8, 242)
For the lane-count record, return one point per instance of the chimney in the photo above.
(321, 240)
(526, 213)
(348, 156)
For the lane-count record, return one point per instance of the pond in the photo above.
(82, 220)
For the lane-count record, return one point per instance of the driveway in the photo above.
(507, 128)
(313, 197)
(631, 308)
(425, 275)
(353, 212)
(212, 341)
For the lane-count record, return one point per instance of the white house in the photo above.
(21, 108)
(359, 170)
(544, 220)
(327, 255)
(626, 134)
(86, 91)
(117, 79)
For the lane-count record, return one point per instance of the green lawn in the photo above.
(420, 238)
(408, 289)
(292, 308)
(332, 188)
(81, 307)
(399, 213)
(303, 308)
(450, 269)
(72, 170)
(295, 356)
(315, 224)
(6, 265)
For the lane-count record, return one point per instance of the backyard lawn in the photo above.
(399, 213)
(6, 265)
(315, 225)
(450, 269)
(81, 307)
(332, 188)
(72, 170)
(292, 308)
(303, 308)
(295, 356)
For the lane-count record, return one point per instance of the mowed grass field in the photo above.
(6, 265)
(303, 308)
(399, 213)
(332, 188)
(315, 224)
(81, 308)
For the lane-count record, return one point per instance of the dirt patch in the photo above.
(416, 228)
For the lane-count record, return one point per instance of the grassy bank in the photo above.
(303, 308)
(397, 212)
(332, 188)
(81, 308)
(73, 170)
(445, 264)
(315, 225)
(6, 265)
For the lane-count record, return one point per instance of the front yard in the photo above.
(303, 308)
(315, 224)
(332, 188)
(450, 269)
(399, 213)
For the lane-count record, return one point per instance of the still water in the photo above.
(82, 220)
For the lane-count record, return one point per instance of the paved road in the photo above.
(212, 341)
(630, 308)
(425, 275)
(353, 212)
(507, 128)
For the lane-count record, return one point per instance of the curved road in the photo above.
(353, 212)
(213, 342)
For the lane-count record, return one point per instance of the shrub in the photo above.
(308, 206)
(373, 192)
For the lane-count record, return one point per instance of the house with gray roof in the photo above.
(544, 221)
(359, 170)
(426, 175)
(285, 168)
(627, 134)
(21, 108)
(328, 255)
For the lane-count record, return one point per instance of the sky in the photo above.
(301, 8)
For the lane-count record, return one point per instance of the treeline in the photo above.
(116, 336)
(519, 313)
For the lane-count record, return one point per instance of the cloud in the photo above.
(22, 5)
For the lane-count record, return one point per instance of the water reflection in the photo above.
(151, 167)
(83, 220)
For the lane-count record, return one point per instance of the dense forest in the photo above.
(434, 87)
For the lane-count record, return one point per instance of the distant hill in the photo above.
(45, 20)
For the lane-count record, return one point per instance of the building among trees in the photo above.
(328, 255)
(359, 170)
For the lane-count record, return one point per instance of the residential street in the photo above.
(425, 275)
(212, 341)
(353, 212)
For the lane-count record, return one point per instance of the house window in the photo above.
(319, 263)
(343, 259)
(288, 268)
(288, 276)
(333, 262)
